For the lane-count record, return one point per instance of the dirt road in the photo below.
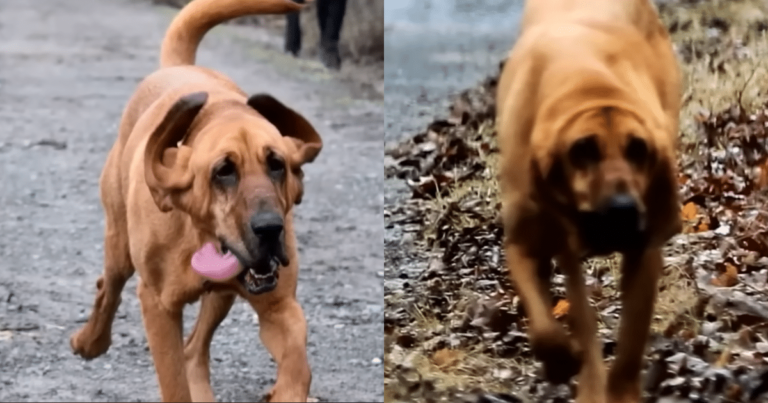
(434, 50)
(66, 69)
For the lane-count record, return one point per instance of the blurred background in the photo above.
(361, 45)
(454, 330)
(437, 48)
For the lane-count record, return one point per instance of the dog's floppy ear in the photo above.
(165, 164)
(290, 124)
(663, 203)
(549, 179)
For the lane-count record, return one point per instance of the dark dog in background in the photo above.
(330, 15)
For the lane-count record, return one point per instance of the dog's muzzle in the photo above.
(267, 248)
(617, 226)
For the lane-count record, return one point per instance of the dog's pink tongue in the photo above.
(209, 263)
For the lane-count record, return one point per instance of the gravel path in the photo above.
(67, 68)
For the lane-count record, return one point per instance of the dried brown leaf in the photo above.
(447, 358)
(561, 309)
(729, 278)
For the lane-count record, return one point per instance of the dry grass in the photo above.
(485, 187)
(460, 368)
(714, 82)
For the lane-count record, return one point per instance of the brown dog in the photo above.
(198, 161)
(587, 117)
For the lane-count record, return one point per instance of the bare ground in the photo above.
(67, 68)
(453, 329)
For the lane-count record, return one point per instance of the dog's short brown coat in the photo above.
(161, 205)
(605, 69)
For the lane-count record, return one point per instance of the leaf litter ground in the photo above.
(454, 330)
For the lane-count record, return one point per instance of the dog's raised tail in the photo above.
(199, 16)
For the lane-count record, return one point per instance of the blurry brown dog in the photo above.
(587, 117)
(196, 161)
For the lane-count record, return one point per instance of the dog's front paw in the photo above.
(559, 355)
(277, 395)
(624, 392)
(88, 347)
(595, 398)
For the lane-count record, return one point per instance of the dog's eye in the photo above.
(584, 152)
(636, 151)
(225, 173)
(275, 165)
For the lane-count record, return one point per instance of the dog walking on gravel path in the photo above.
(198, 192)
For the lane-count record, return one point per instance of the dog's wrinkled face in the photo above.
(600, 172)
(238, 180)
(249, 196)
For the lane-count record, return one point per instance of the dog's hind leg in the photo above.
(639, 277)
(549, 341)
(583, 325)
(214, 307)
(94, 339)
(283, 330)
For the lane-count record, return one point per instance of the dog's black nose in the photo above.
(267, 224)
(622, 213)
(617, 226)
